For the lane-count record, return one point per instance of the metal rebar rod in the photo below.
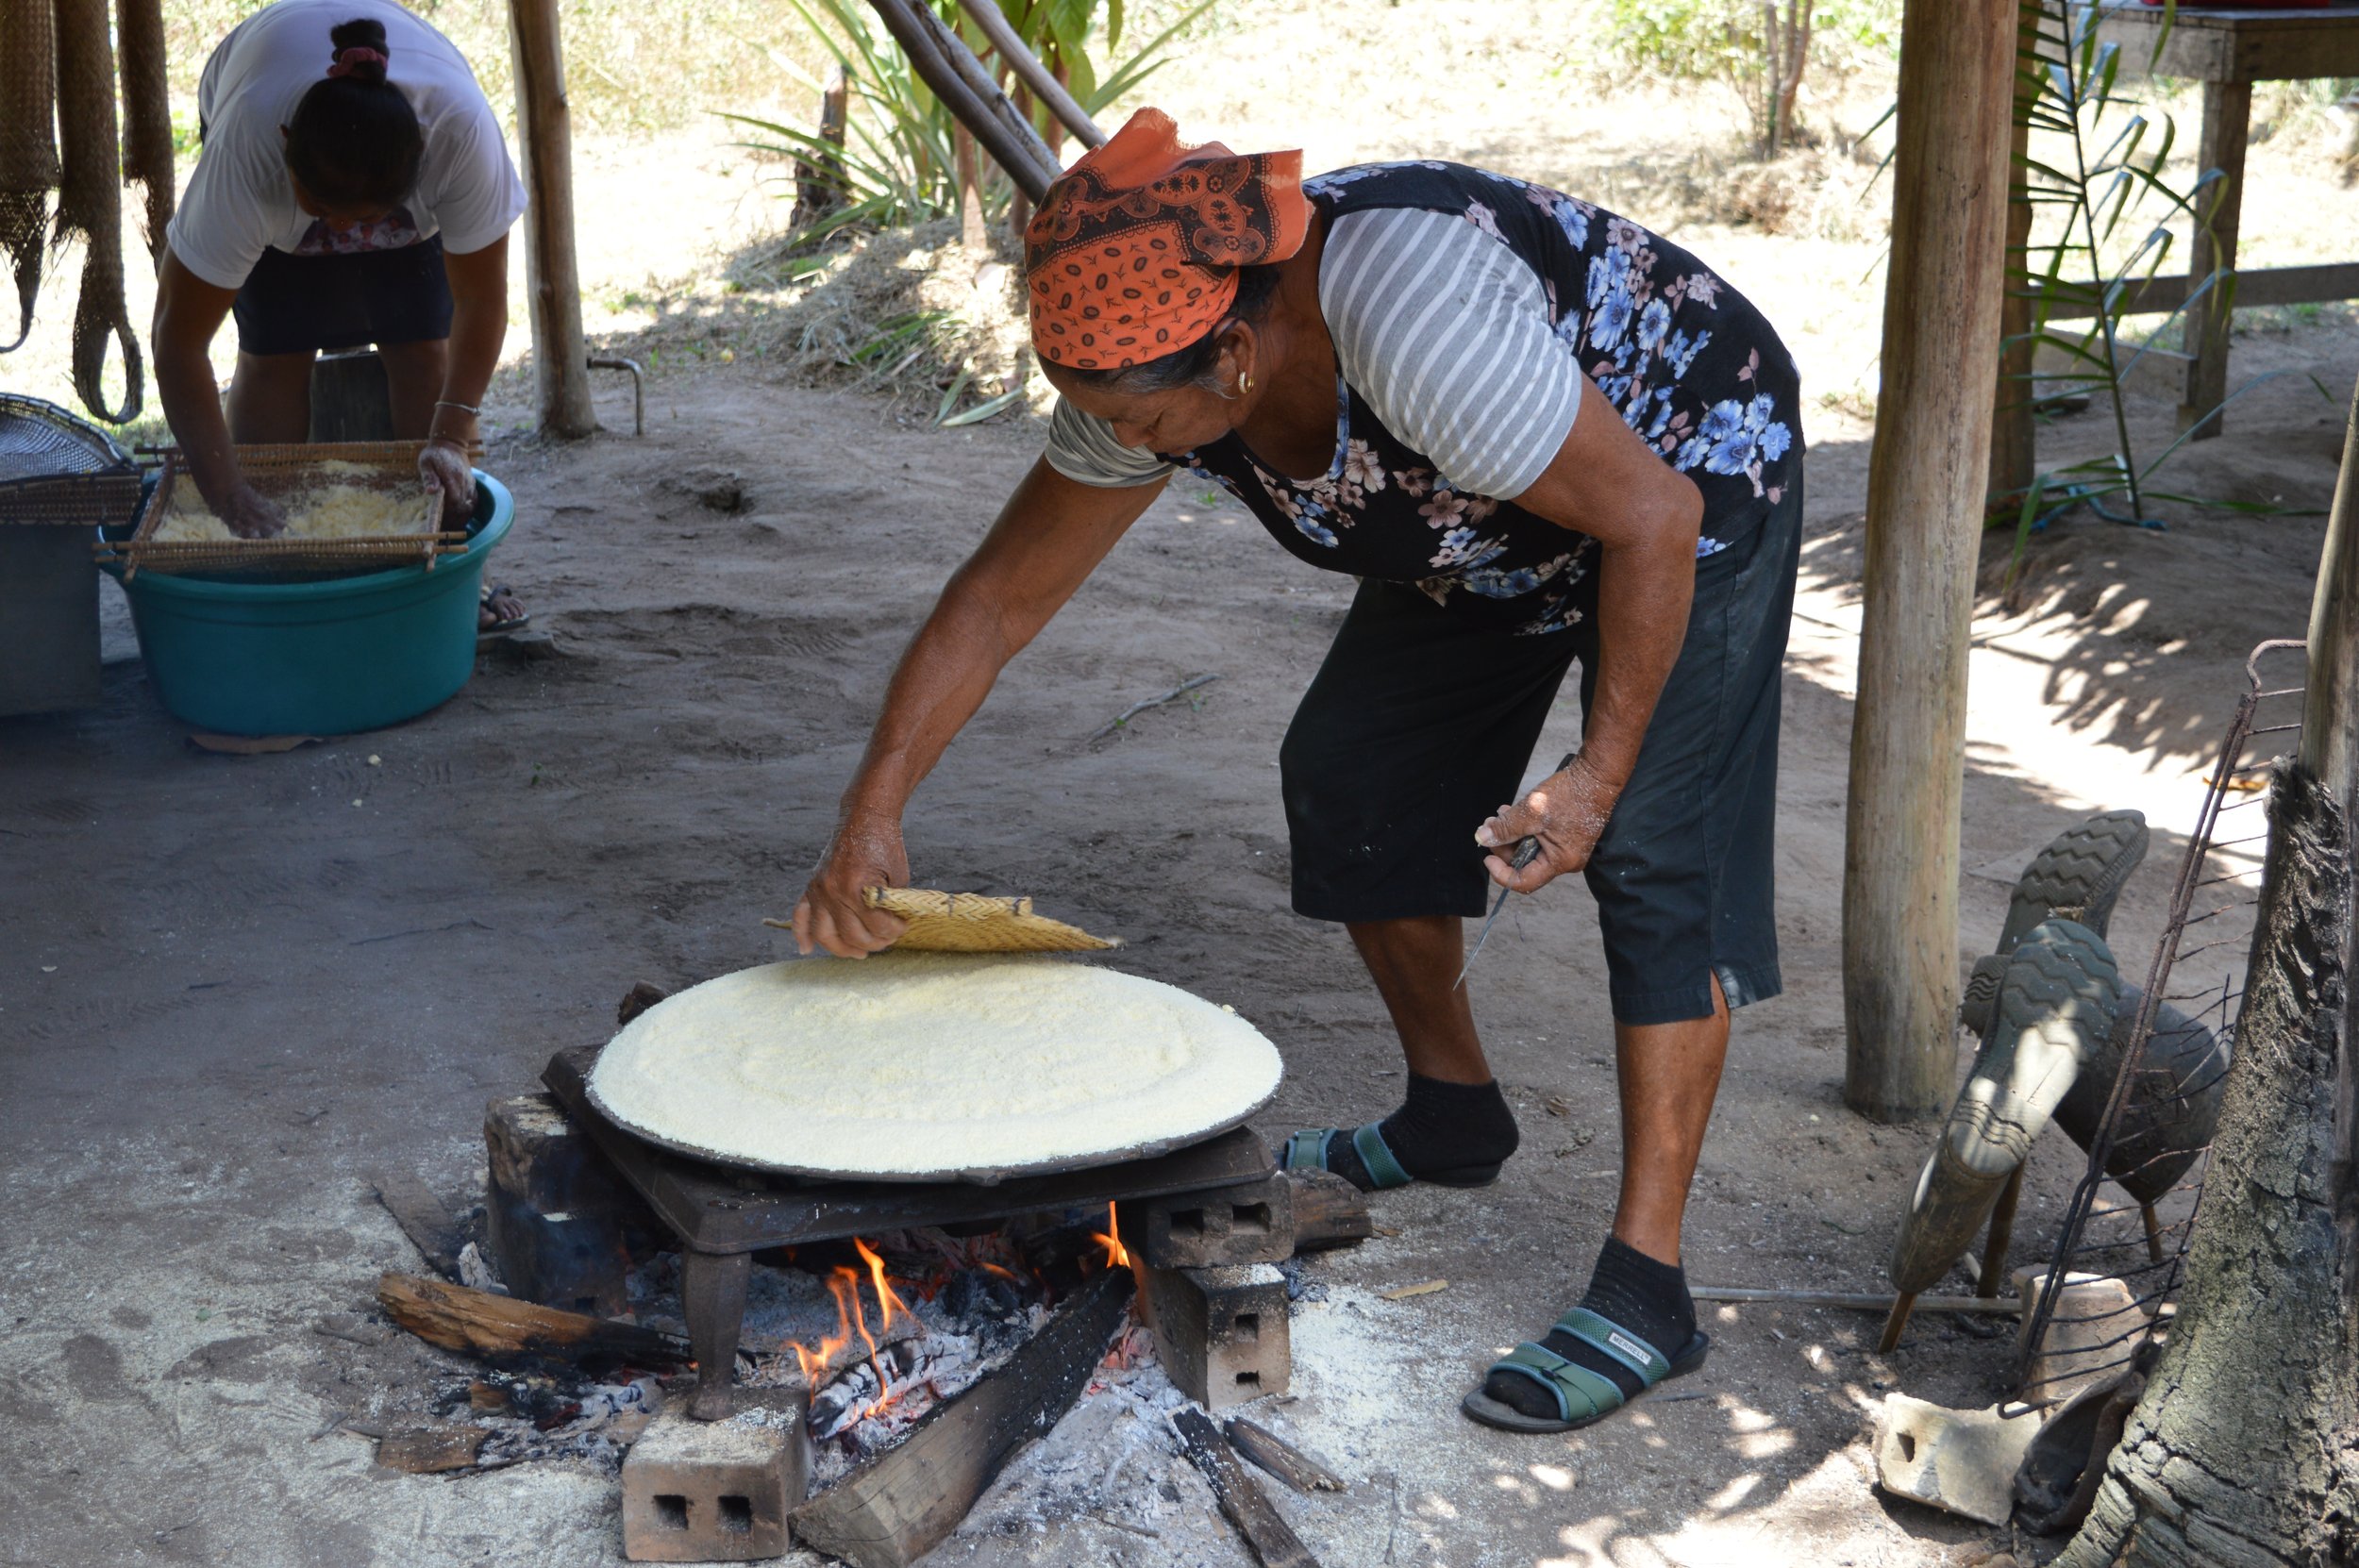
(1856, 1301)
(994, 22)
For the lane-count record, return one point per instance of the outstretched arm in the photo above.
(1048, 538)
(1645, 515)
(188, 312)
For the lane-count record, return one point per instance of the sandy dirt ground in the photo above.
(230, 989)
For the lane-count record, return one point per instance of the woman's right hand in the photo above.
(251, 515)
(865, 853)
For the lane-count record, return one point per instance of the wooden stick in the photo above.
(994, 22)
(1138, 708)
(1282, 1458)
(2153, 1233)
(2001, 1230)
(1273, 1539)
(1858, 1302)
(478, 1323)
(1895, 1322)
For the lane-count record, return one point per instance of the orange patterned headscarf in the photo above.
(1134, 252)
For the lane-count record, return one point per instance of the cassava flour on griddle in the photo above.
(913, 1064)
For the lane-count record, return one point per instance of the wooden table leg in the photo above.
(712, 1299)
(2227, 113)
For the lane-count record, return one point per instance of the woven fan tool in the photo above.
(975, 923)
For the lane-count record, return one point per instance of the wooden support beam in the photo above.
(1926, 487)
(552, 282)
(2227, 116)
(2014, 428)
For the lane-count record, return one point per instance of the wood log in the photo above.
(552, 280)
(638, 1000)
(1274, 1542)
(1282, 1458)
(430, 1450)
(1329, 1211)
(423, 1217)
(899, 1505)
(477, 1323)
(1926, 486)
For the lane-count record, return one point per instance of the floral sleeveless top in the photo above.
(1688, 362)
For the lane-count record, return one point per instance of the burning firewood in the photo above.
(479, 1324)
(881, 1378)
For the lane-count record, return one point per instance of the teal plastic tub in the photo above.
(317, 657)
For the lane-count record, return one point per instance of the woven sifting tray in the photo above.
(976, 923)
(58, 468)
(281, 473)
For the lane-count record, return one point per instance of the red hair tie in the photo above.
(348, 58)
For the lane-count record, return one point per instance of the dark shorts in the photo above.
(1419, 725)
(300, 304)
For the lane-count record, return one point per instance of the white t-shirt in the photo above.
(240, 200)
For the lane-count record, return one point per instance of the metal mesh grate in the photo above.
(2136, 1207)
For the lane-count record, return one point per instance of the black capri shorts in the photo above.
(300, 304)
(1420, 724)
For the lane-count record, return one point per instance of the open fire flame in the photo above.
(820, 1364)
(1117, 1256)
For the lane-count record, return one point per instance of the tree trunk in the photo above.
(2245, 1450)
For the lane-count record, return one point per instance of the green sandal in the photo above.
(1312, 1150)
(1584, 1397)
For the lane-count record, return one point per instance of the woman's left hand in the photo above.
(1566, 812)
(443, 466)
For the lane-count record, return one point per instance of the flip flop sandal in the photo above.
(1310, 1150)
(501, 627)
(1584, 1397)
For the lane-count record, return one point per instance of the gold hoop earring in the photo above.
(1245, 382)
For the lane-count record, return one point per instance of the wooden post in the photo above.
(2330, 749)
(2227, 116)
(2014, 428)
(552, 283)
(1925, 492)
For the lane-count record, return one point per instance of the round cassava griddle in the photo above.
(985, 1175)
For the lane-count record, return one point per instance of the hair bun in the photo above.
(362, 33)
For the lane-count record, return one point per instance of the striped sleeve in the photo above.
(1445, 331)
(1082, 448)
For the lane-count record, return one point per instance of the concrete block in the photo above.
(711, 1492)
(1226, 1227)
(2095, 1330)
(1963, 1461)
(1223, 1333)
(48, 619)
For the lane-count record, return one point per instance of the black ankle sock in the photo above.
(1440, 1127)
(1630, 1289)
